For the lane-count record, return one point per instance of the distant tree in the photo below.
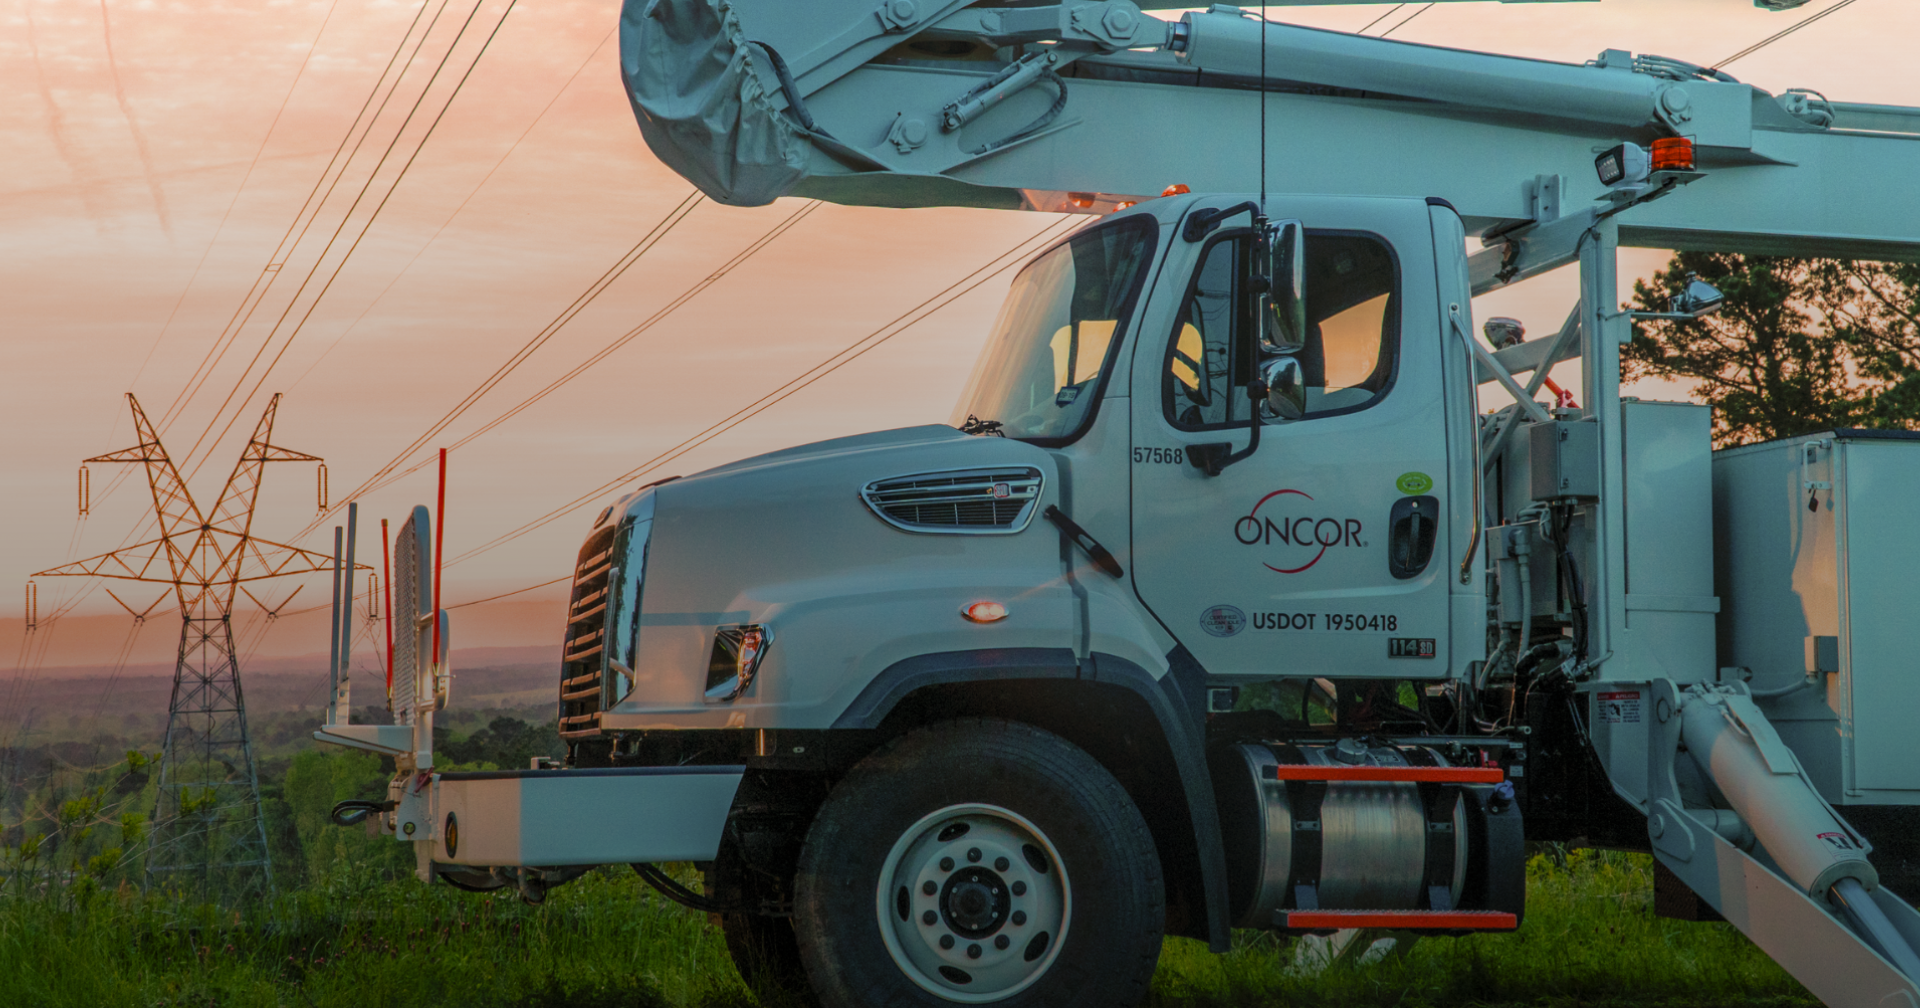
(506, 743)
(1800, 345)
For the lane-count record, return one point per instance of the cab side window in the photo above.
(1203, 389)
(1353, 332)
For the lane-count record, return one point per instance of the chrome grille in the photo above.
(958, 502)
(582, 662)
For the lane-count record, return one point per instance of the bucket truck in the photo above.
(1224, 603)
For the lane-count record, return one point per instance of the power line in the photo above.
(1783, 33)
(516, 591)
(1396, 9)
(264, 280)
(580, 302)
(833, 363)
(1403, 24)
(685, 296)
(393, 187)
(282, 250)
(247, 176)
(475, 191)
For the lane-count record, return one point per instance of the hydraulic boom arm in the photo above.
(1083, 105)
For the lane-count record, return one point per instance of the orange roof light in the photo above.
(1123, 204)
(1673, 154)
(1176, 189)
(1083, 200)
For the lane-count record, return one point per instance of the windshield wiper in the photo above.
(981, 428)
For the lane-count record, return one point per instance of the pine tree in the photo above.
(1800, 345)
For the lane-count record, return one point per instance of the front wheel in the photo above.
(979, 862)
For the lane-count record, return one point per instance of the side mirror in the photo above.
(1280, 257)
(1698, 298)
(1286, 385)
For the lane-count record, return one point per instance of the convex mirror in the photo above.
(1286, 389)
(1697, 298)
(1280, 257)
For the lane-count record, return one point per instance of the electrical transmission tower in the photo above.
(210, 837)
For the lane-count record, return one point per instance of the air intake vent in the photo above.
(958, 502)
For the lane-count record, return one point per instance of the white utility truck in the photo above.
(1224, 603)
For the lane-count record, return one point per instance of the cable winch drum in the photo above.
(1317, 845)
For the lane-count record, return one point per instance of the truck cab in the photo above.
(1115, 383)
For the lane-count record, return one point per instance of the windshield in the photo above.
(1041, 370)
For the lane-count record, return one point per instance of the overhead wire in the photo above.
(244, 312)
(364, 228)
(289, 239)
(719, 273)
(832, 363)
(1783, 33)
(302, 221)
(282, 251)
(1403, 24)
(475, 191)
(547, 332)
(1369, 25)
(245, 177)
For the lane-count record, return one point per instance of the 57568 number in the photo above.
(1159, 456)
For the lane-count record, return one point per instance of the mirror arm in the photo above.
(1201, 223)
(1214, 457)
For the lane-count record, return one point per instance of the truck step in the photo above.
(1392, 774)
(1398, 920)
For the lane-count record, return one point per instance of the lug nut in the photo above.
(973, 951)
(929, 887)
(1001, 864)
(1019, 888)
(1000, 942)
(973, 854)
(946, 941)
(1019, 917)
(946, 864)
(930, 918)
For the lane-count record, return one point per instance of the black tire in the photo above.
(768, 958)
(763, 948)
(898, 805)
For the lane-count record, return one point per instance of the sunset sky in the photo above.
(157, 152)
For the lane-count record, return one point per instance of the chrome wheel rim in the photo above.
(973, 903)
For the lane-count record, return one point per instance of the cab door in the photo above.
(1324, 552)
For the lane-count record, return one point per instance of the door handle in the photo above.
(1412, 528)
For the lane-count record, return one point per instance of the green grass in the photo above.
(604, 940)
(1590, 939)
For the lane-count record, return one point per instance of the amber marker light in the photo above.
(985, 612)
(1673, 154)
(1176, 189)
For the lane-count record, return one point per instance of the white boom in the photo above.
(862, 115)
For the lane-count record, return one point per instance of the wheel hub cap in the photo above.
(973, 902)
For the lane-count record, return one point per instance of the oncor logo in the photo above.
(1294, 541)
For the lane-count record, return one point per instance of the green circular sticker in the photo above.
(1414, 483)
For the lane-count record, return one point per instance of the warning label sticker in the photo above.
(1837, 841)
(1620, 708)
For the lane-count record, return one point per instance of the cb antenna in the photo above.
(1263, 111)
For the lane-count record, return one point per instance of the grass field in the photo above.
(1589, 940)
